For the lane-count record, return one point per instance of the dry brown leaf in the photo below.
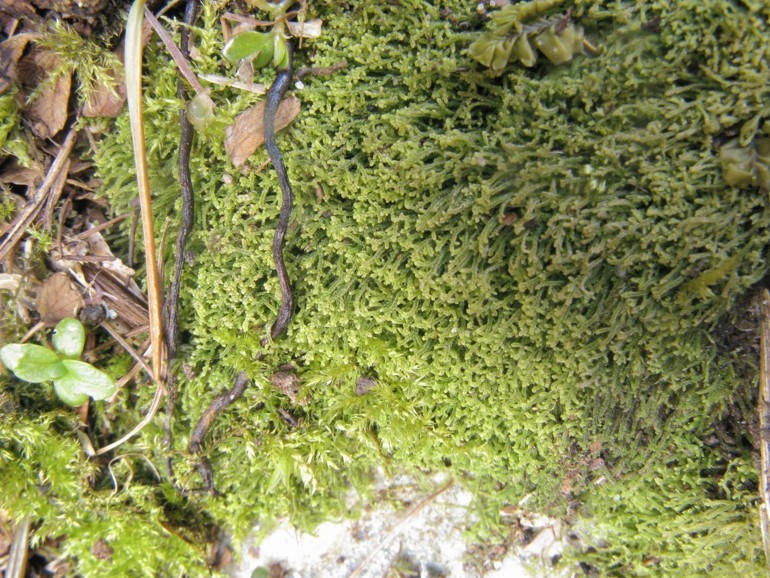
(17, 175)
(106, 100)
(69, 9)
(247, 133)
(48, 111)
(10, 53)
(57, 299)
(19, 8)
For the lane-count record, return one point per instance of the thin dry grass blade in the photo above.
(133, 60)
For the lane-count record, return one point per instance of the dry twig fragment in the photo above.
(247, 133)
(19, 224)
(133, 62)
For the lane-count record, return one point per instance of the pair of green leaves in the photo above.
(260, 47)
(74, 381)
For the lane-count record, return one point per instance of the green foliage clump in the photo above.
(95, 65)
(74, 381)
(674, 521)
(12, 142)
(46, 476)
(528, 266)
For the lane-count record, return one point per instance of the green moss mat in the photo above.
(532, 267)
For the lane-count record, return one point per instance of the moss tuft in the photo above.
(530, 265)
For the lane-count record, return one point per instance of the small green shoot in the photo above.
(73, 381)
(250, 44)
(263, 48)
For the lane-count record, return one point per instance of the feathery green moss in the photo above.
(530, 266)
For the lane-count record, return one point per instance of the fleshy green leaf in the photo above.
(32, 363)
(280, 55)
(84, 378)
(68, 396)
(69, 337)
(248, 45)
(263, 58)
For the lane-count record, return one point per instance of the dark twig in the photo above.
(274, 96)
(204, 424)
(183, 234)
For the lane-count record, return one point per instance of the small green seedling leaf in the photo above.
(84, 379)
(249, 44)
(68, 396)
(263, 57)
(32, 363)
(280, 54)
(69, 338)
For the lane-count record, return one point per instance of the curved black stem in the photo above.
(185, 227)
(274, 96)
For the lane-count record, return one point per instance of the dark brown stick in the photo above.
(216, 407)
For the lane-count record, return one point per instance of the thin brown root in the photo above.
(216, 407)
(37, 327)
(127, 346)
(176, 55)
(320, 71)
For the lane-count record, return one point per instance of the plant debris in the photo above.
(247, 132)
(58, 298)
(48, 109)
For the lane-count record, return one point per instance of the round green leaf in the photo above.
(248, 45)
(68, 396)
(32, 363)
(69, 337)
(84, 378)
